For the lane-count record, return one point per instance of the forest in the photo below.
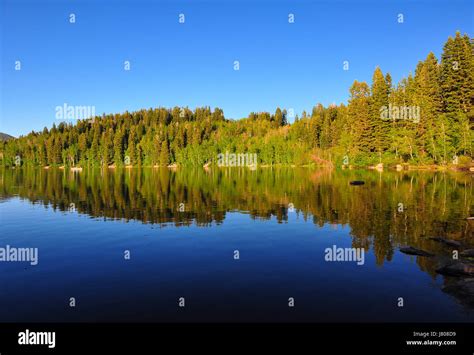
(425, 119)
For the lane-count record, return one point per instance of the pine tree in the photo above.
(82, 147)
(428, 98)
(94, 153)
(278, 117)
(164, 154)
(359, 116)
(57, 150)
(455, 66)
(107, 151)
(132, 148)
(118, 147)
(379, 129)
(457, 84)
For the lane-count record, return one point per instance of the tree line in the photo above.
(426, 118)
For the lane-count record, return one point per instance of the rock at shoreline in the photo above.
(414, 251)
(456, 269)
(451, 243)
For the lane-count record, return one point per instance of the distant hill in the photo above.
(5, 137)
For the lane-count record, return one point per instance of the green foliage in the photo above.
(442, 92)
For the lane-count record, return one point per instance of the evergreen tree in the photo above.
(278, 117)
(359, 117)
(379, 128)
(118, 147)
(164, 154)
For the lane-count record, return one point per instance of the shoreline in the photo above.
(399, 168)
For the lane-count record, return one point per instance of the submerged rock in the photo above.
(451, 243)
(456, 269)
(414, 251)
(469, 253)
(462, 289)
(357, 182)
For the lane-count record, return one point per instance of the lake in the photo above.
(232, 245)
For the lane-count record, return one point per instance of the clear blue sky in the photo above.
(192, 64)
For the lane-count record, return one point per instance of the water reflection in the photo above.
(390, 210)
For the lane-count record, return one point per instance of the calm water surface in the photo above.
(182, 229)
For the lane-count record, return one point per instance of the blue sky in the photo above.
(192, 64)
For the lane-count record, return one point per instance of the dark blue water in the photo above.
(83, 257)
